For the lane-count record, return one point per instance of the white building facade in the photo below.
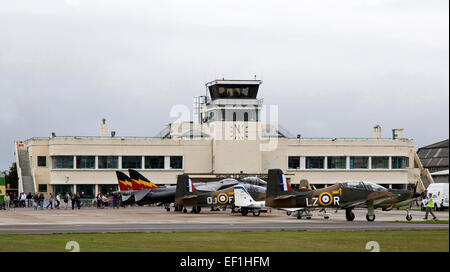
(233, 136)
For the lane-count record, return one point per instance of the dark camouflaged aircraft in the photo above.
(187, 196)
(344, 195)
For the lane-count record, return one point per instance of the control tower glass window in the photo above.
(233, 91)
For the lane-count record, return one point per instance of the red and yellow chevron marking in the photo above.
(147, 185)
(126, 183)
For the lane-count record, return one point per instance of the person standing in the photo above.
(50, 202)
(29, 197)
(7, 201)
(23, 199)
(35, 201)
(41, 201)
(58, 201)
(66, 200)
(429, 206)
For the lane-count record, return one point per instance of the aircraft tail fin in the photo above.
(124, 181)
(141, 181)
(277, 184)
(241, 197)
(184, 186)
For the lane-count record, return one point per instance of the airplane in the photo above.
(189, 196)
(344, 195)
(245, 203)
(143, 191)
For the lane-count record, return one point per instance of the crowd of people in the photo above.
(64, 201)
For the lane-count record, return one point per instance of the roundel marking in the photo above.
(222, 198)
(325, 199)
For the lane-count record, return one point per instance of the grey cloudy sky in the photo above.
(334, 68)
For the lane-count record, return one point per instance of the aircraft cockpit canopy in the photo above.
(363, 185)
(254, 181)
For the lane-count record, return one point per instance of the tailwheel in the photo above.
(370, 217)
(349, 215)
(409, 217)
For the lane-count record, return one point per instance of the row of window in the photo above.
(88, 190)
(355, 162)
(112, 162)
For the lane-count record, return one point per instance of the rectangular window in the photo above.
(133, 162)
(315, 162)
(293, 162)
(42, 161)
(108, 162)
(62, 190)
(380, 162)
(337, 162)
(62, 162)
(154, 162)
(107, 188)
(359, 162)
(85, 162)
(86, 190)
(400, 162)
(42, 188)
(176, 162)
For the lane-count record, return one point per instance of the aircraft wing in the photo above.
(188, 196)
(281, 197)
(364, 203)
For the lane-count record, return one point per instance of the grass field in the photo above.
(269, 241)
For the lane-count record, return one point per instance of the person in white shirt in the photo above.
(58, 200)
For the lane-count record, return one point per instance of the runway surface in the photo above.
(156, 219)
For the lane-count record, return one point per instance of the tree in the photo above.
(11, 177)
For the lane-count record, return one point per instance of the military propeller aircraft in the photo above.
(344, 195)
(138, 189)
(245, 203)
(196, 197)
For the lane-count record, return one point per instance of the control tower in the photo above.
(233, 107)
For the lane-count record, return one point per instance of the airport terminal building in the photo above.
(229, 137)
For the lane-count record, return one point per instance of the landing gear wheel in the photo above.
(256, 213)
(244, 211)
(299, 216)
(184, 210)
(326, 217)
(234, 209)
(196, 209)
(168, 209)
(288, 213)
(370, 218)
(409, 217)
(349, 215)
(308, 217)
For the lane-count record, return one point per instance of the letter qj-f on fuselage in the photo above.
(346, 195)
